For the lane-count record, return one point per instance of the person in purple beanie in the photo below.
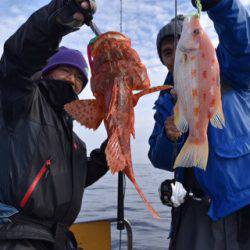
(43, 164)
(69, 65)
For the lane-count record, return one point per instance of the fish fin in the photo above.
(193, 154)
(132, 122)
(179, 118)
(137, 96)
(133, 132)
(114, 155)
(218, 120)
(148, 205)
(87, 112)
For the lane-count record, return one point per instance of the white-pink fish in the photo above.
(197, 83)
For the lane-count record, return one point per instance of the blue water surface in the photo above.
(100, 202)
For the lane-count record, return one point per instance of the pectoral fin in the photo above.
(218, 120)
(179, 118)
(87, 112)
(149, 91)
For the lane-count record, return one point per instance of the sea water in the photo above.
(100, 202)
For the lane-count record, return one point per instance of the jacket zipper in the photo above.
(35, 183)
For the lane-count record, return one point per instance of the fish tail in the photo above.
(148, 205)
(193, 154)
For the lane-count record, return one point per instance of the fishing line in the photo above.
(174, 155)
(121, 16)
(199, 7)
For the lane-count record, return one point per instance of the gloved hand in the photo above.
(88, 5)
(172, 193)
(178, 194)
(206, 4)
(70, 16)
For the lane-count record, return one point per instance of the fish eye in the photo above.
(196, 32)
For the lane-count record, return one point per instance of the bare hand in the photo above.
(171, 131)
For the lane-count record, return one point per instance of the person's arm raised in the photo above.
(27, 51)
(232, 24)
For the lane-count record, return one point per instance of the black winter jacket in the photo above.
(43, 164)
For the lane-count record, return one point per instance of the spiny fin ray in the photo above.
(179, 118)
(148, 205)
(218, 120)
(87, 112)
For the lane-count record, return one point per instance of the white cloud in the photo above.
(245, 3)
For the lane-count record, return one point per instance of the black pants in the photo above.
(25, 245)
(19, 234)
(194, 230)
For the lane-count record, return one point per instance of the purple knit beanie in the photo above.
(68, 57)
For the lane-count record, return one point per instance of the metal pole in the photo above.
(129, 234)
(120, 205)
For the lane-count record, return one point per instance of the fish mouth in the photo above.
(186, 50)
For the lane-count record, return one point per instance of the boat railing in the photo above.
(87, 233)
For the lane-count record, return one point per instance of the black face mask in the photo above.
(57, 92)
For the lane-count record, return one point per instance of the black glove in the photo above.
(165, 192)
(206, 4)
(64, 16)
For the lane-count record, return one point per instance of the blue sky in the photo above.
(142, 20)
